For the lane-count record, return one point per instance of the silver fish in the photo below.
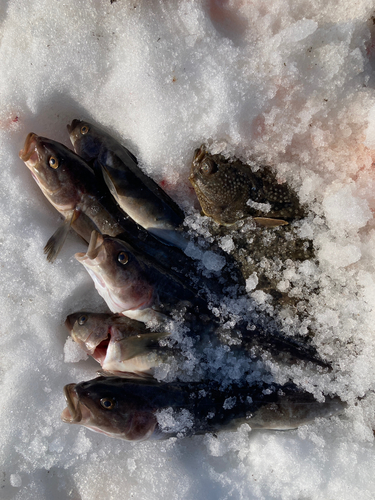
(70, 186)
(137, 409)
(118, 343)
(136, 193)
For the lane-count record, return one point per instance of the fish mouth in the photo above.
(100, 351)
(75, 412)
(97, 348)
(199, 155)
(69, 322)
(72, 413)
(29, 154)
(73, 125)
(96, 253)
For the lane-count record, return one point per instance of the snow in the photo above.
(285, 83)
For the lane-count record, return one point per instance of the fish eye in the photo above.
(123, 258)
(53, 162)
(82, 319)
(84, 129)
(108, 403)
(208, 167)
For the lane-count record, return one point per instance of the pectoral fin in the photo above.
(139, 345)
(267, 222)
(57, 240)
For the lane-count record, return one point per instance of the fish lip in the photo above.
(71, 129)
(68, 323)
(199, 154)
(30, 147)
(73, 125)
(95, 250)
(95, 244)
(71, 414)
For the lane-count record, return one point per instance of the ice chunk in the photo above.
(173, 421)
(212, 261)
(338, 255)
(298, 31)
(251, 282)
(193, 251)
(226, 243)
(15, 480)
(345, 211)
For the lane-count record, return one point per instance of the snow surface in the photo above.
(289, 82)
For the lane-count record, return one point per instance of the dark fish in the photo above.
(229, 191)
(118, 343)
(142, 292)
(137, 410)
(128, 284)
(70, 186)
(136, 193)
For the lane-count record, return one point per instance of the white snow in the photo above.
(285, 83)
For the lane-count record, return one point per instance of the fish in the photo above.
(69, 185)
(118, 343)
(129, 285)
(135, 192)
(137, 290)
(121, 344)
(229, 190)
(136, 409)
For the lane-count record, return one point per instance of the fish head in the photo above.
(104, 336)
(85, 140)
(209, 180)
(89, 330)
(221, 188)
(118, 276)
(55, 168)
(106, 405)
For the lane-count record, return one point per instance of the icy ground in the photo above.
(290, 82)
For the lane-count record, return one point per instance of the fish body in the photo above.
(229, 191)
(118, 343)
(127, 283)
(137, 290)
(136, 409)
(136, 193)
(70, 186)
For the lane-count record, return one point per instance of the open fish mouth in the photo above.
(69, 323)
(199, 154)
(95, 254)
(72, 126)
(72, 413)
(95, 347)
(75, 412)
(98, 350)
(29, 153)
